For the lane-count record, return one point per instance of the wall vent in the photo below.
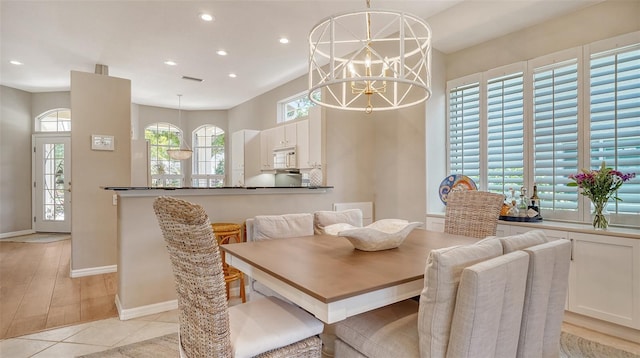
(192, 78)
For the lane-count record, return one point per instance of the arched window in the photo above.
(55, 120)
(208, 157)
(165, 172)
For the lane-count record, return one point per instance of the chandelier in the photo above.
(183, 152)
(370, 59)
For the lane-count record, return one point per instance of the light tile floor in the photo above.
(89, 337)
(101, 335)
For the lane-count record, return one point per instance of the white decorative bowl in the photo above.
(381, 235)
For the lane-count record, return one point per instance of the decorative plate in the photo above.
(455, 182)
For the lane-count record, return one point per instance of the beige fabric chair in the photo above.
(208, 327)
(325, 218)
(545, 299)
(488, 313)
(472, 213)
(416, 328)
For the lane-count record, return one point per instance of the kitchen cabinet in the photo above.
(245, 156)
(267, 138)
(316, 138)
(604, 276)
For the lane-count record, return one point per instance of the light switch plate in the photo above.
(102, 142)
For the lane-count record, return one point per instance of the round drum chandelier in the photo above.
(370, 60)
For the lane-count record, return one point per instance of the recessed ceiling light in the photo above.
(284, 40)
(221, 52)
(233, 75)
(206, 17)
(14, 62)
(170, 63)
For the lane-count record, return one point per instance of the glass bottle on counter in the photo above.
(535, 200)
(523, 205)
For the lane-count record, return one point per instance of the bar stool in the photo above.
(227, 233)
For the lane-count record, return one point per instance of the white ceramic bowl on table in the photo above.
(381, 235)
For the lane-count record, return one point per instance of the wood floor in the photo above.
(36, 292)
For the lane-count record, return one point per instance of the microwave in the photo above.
(284, 158)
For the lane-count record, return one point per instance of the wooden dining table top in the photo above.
(329, 268)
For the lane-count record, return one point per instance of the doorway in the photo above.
(52, 182)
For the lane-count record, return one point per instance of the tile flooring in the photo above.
(89, 337)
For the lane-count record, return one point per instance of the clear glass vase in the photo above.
(600, 216)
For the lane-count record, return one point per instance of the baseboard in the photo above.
(126, 314)
(16, 233)
(611, 329)
(93, 271)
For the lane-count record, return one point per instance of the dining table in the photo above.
(328, 277)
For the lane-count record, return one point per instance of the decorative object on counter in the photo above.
(184, 151)
(315, 176)
(521, 209)
(381, 235)
(359, 65)
(455, 182)
(600, 186)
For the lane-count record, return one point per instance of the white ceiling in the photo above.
(134, 38)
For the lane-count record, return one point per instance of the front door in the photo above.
(52, 183)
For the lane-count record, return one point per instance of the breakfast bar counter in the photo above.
(145, 278)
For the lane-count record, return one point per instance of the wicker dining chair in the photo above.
(266, 327)
(472, 213)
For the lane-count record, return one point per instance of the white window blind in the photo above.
(464, 131)
(555, 135)
(505, 129)
(615, 119)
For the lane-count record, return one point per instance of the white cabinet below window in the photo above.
(604, 279)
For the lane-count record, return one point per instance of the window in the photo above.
(55, 120)
(165, 172)
(562, 112)
(505, 133)
(295, 107)
(615, 120)
(464, 130)
(555, 136)
(208, 157)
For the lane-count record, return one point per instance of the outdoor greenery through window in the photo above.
(208, 157)
(295, 107)
(540, 121)
(165, 172)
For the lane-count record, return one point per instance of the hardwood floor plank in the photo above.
(36, 292)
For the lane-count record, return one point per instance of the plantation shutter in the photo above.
(555, 135)
(464, 131)
(615, 119)
(505, 131)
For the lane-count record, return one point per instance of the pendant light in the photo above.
(184, 152)
(372, 59)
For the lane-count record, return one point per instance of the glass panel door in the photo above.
(52, 183)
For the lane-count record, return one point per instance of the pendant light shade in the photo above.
(370, 60)
(184, 151)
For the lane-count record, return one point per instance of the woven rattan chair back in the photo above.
(200, 285)
(472, 213)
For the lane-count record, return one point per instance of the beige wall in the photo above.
(598, 22)
(100, 105)
(15, 160)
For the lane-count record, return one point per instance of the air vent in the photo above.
(192, 79)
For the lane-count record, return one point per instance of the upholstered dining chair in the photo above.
(546, 292)
(265, 327)
(472, 213)
(452, 310)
